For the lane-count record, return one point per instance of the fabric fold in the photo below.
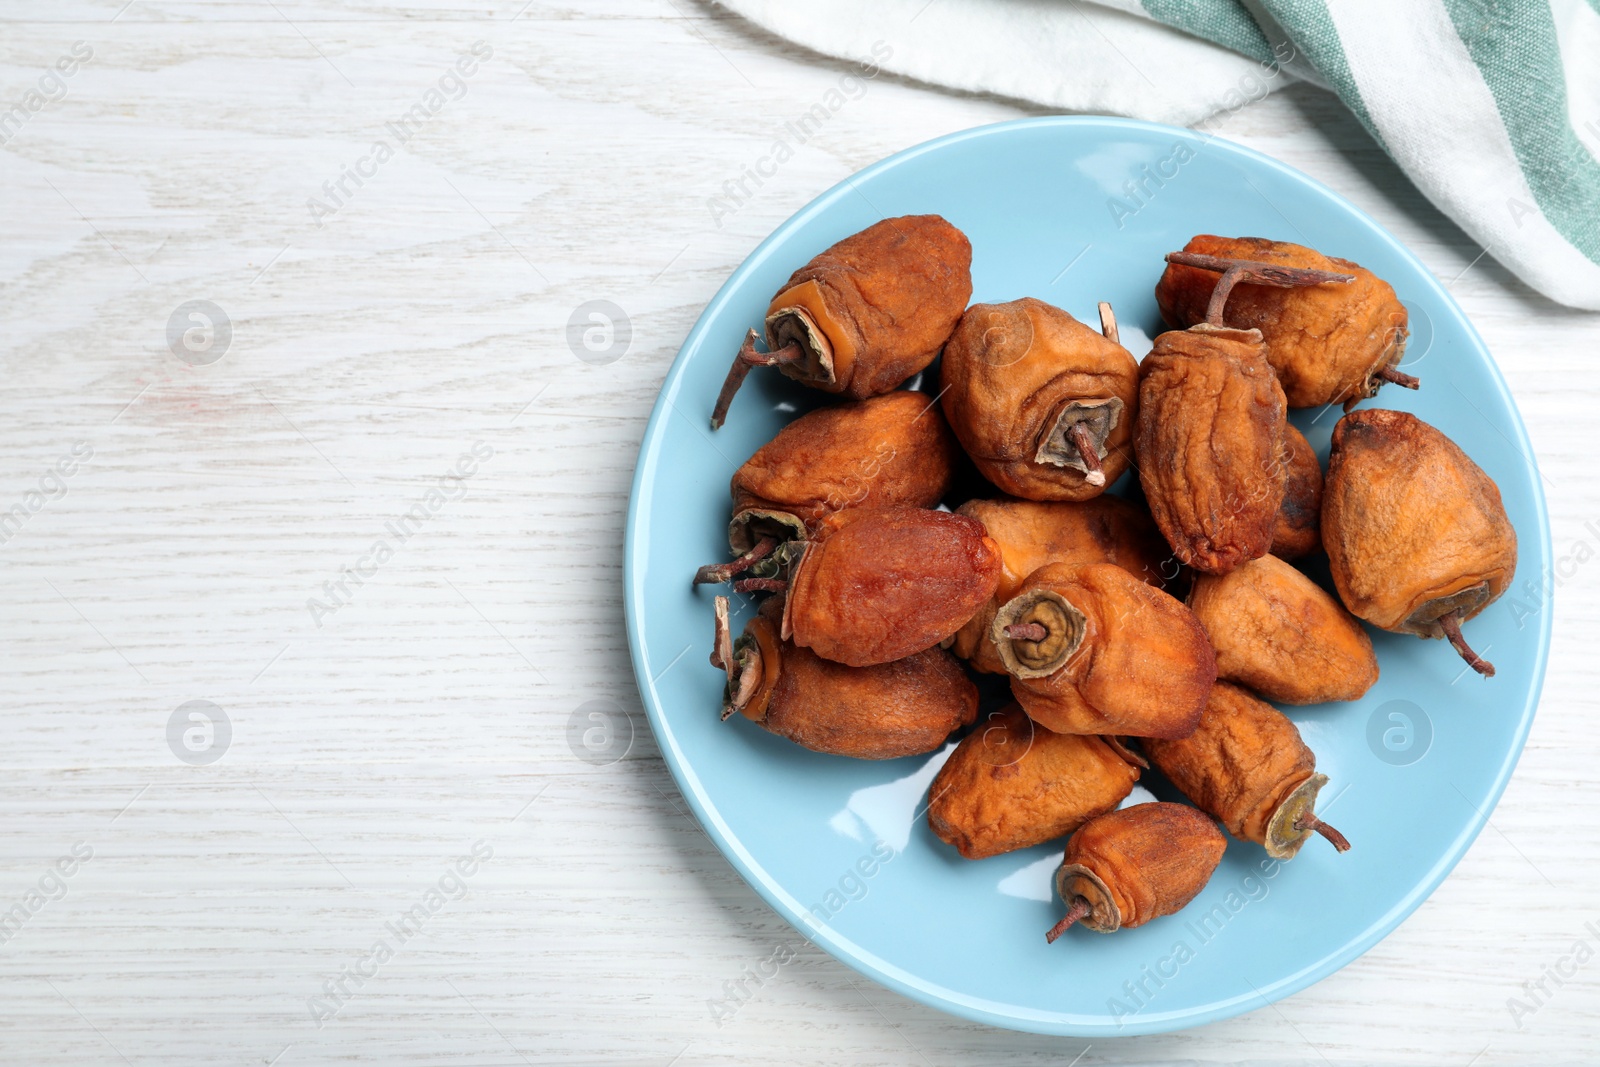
(1492, 110)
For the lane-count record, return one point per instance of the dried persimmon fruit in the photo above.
(866, 314)
(1247, 766)
(885, 711)
(1209, 438)
(1295, 531)
(1416, 534)
(1211, 421)
(878, 584)
(1328, 343)
(1135, 864)
(892, 450)
(1012, 784)
(1032, 533)
(1093, 650)
(1282, 635)
(1042, 403)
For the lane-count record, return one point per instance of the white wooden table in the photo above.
(215, 910)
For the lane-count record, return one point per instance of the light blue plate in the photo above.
(840, 847)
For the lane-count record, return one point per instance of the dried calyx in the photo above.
(1037, 632)
(739, 660)
(748, 528)
(760, 585)
(722, 646)
(1252, 272)
(1450, 623)
(1076, 437)
(1295, 820)
(1089, 901)
(792, 327)
(798, 343)
(764, 568)
(1387, 373)
(716, 573)
(1385, 369)
(1443, 617)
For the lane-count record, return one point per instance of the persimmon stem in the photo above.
(1026, 631)
(760, 585)
(1450, 622)
(748, 357)
(1080, 908)
(1108, 323)
(1252, 272)
(1400, 378)
(1309, 821)
(1094, 474)
(716, 573)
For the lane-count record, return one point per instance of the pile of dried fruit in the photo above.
(1135, 633)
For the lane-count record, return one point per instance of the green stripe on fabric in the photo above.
(1311, 30)
(1224, 22)
(1520, 61)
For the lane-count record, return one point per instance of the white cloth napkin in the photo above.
(1493, 110)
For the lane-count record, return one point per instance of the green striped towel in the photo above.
(1492, 107)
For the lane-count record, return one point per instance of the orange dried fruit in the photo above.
(1032, 533)
(879, 584)
(1208, 442)
(1328, 343)
(1043, 404)
(1209, 439)
(1129, 866)
(886, 451)
(866, 314)
(1011, 784)
(884, 711)
(1416, 534)
(1093, 650)
(1283, 635)
(1247, 767)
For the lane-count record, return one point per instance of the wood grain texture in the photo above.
(368, 752)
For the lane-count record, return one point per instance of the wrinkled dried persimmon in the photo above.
(1032, 533)
(1011, 784)
(1042, 403)
(1416, 534)
(1135, 864)
(1328, 343)
(1247, 766)
(885, 711)
(1210, 431)
(892, 450)
(1282, 635)
(1093, 650)
(879, 584)
(866, 314)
